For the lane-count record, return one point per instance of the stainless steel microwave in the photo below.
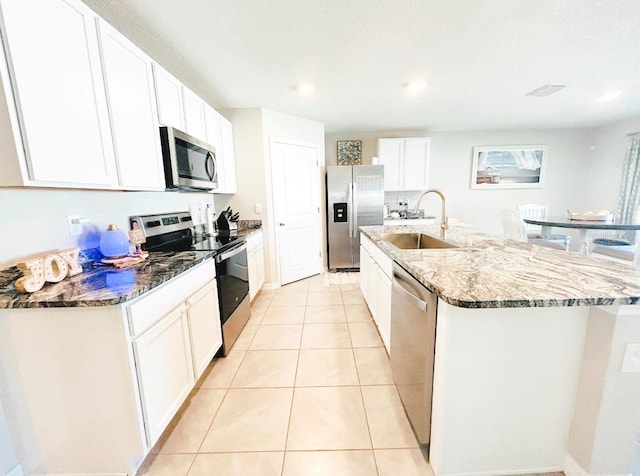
(189, 163)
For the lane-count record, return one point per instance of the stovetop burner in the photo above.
(174, 232)
(215, 243)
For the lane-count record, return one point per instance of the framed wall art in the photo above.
(512, 166)
(349, 152)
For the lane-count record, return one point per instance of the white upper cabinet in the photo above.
(213, 137)
(132, 108)
(56, 79)
(169, 98)
(390, 155)
(406, 163)
(228, 156)
(193, 114)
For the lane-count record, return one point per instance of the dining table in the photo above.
(586, 227)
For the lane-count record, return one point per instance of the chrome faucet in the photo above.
(443, 222)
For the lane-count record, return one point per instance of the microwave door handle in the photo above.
(210, 164)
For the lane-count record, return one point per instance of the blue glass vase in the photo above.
(114, 242)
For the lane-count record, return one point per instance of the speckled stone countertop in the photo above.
(101, 285)
(491, 273)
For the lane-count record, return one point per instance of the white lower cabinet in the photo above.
(165, 370)
(204, 327)
(176, 331)
(375, 282)
(117, 374)
(255, 263)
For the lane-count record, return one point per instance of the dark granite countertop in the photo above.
(487, 272)
(103, 285)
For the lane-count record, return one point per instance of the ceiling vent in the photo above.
(546, 90)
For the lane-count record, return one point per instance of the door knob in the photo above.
(281, 224)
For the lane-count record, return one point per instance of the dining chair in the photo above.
(534, 232)
(513, 227)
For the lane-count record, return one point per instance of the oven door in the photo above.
(233, 279)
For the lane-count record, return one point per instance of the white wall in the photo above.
(450, 170)
(253, 130)
(7, 456)
(34, 221)
(605, 164)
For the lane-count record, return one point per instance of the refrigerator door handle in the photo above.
(350, 205)
(354, 210)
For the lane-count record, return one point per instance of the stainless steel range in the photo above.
(174, 232)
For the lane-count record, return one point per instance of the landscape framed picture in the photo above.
(349, 152)
(512, 166)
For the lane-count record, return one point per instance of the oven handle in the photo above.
(232, 252)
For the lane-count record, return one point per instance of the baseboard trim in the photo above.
(270, 286)
(85, 474)
(17, 471)
(572, 468)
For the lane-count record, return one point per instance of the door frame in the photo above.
(274, 206)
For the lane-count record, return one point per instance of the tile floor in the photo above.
(306, 390)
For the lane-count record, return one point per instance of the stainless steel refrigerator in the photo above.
(355, 197)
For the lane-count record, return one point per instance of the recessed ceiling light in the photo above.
(304, 89)
(609, 96)
(415, 86)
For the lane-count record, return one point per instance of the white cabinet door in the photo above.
(383, 318)
(212, 131)
(253, 275)
(58, 84)
(364, 269)
(165, 371)
(193, 114)
(260, 274)
(204, 327)
(132, 108)
(228, 155)
(372, 292)
(406, 163)
(168, 98)
(416, 163)
(390, 155)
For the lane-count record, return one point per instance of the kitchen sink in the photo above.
(416, 241)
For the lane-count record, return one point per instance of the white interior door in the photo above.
(296, 192)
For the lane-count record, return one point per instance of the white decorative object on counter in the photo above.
(52, 268)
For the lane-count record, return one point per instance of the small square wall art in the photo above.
(349, 152)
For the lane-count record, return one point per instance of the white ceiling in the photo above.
(479, 58)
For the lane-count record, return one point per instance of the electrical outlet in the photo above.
(258, 208)
(75, 225)
(631, 360)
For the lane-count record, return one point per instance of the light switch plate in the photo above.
(631, 360)
(75, 226)
(258, 208)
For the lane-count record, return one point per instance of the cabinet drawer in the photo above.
(383, 261)
(149, 308)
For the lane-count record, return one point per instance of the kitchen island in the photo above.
(529, 348)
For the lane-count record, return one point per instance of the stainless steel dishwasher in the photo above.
(413, 336)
